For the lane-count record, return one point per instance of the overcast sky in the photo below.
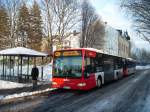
(110, 12)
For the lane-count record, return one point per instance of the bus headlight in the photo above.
(81, 84)
(54, 83)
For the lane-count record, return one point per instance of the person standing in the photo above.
(34, 74)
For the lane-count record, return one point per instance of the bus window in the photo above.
(68, 67)
(89, 66)
(118, 63)
(99, 63)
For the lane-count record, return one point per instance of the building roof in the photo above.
(21, 51)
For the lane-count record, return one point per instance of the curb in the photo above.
(23, 96)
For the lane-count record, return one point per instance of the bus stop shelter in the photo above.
(15, 61)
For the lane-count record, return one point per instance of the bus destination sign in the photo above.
(67, 53)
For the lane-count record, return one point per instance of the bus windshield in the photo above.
(68, 67)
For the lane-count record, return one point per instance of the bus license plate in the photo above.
(66, 87)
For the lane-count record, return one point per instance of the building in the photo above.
(115, 43)
(71, 41)
(124, 45)
(111, 41)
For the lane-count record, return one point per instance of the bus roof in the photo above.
(96, 50)
(90, 49)
(93, 49)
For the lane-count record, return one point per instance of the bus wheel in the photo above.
(99, 83)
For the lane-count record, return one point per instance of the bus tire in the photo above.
(99, 83)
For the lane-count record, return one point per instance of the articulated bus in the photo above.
(85, 68)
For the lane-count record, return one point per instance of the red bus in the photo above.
(84, 68)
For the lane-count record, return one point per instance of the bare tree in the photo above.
(96, 35)
(140, 10)
(66, 13)
(48, 23)
(62, 17)
(143, 56)
(92, 29)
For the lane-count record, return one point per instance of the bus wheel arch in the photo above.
(99, 82)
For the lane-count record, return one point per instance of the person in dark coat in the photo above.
(34, 74)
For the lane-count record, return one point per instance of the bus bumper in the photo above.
(73, 85)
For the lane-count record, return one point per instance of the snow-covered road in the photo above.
(127, 95)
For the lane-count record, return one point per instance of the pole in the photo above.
(13, 66)
(18, 68)
(21, 66)
(28, 66)
(9, 66)
(42, 70)
(3, 66)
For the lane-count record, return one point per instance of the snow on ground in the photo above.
(47, 77)
(23, 94)
(143, 67)
(10, 85)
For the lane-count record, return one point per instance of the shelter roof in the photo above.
(22, 51)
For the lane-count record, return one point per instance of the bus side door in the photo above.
(108, 70)
(89, 73)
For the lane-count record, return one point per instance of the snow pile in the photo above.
(10, 85)
(24, 94)
(143, 67)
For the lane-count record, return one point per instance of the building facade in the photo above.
(71, 41)
(111, 41)
(124, 45)
(115, 43)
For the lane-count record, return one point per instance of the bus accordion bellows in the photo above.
(87, 68)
